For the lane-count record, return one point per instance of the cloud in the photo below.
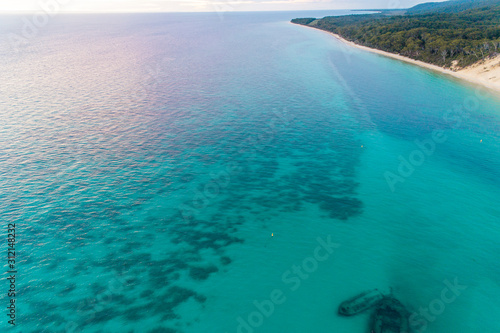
(200, 5)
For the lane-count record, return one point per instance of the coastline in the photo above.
(485, 74)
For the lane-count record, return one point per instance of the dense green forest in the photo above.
(450, 34)
(449, 6)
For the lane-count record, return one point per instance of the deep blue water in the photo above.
(177, 172)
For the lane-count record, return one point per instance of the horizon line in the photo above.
(183, 12)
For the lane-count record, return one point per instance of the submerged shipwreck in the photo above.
(360, 303)
(389, 316)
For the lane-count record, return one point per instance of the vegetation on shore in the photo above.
(453, 34)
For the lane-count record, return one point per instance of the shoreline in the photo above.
(468, 74)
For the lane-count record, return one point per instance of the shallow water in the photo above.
(173, 172)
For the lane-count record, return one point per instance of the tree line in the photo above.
(451, 40)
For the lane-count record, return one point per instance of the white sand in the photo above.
(485, 73)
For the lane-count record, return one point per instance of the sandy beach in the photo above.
(485, 73)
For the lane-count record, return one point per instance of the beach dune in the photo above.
(485, 73)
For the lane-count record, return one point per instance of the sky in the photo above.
(53, 6)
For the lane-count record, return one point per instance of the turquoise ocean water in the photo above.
(233, 172)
